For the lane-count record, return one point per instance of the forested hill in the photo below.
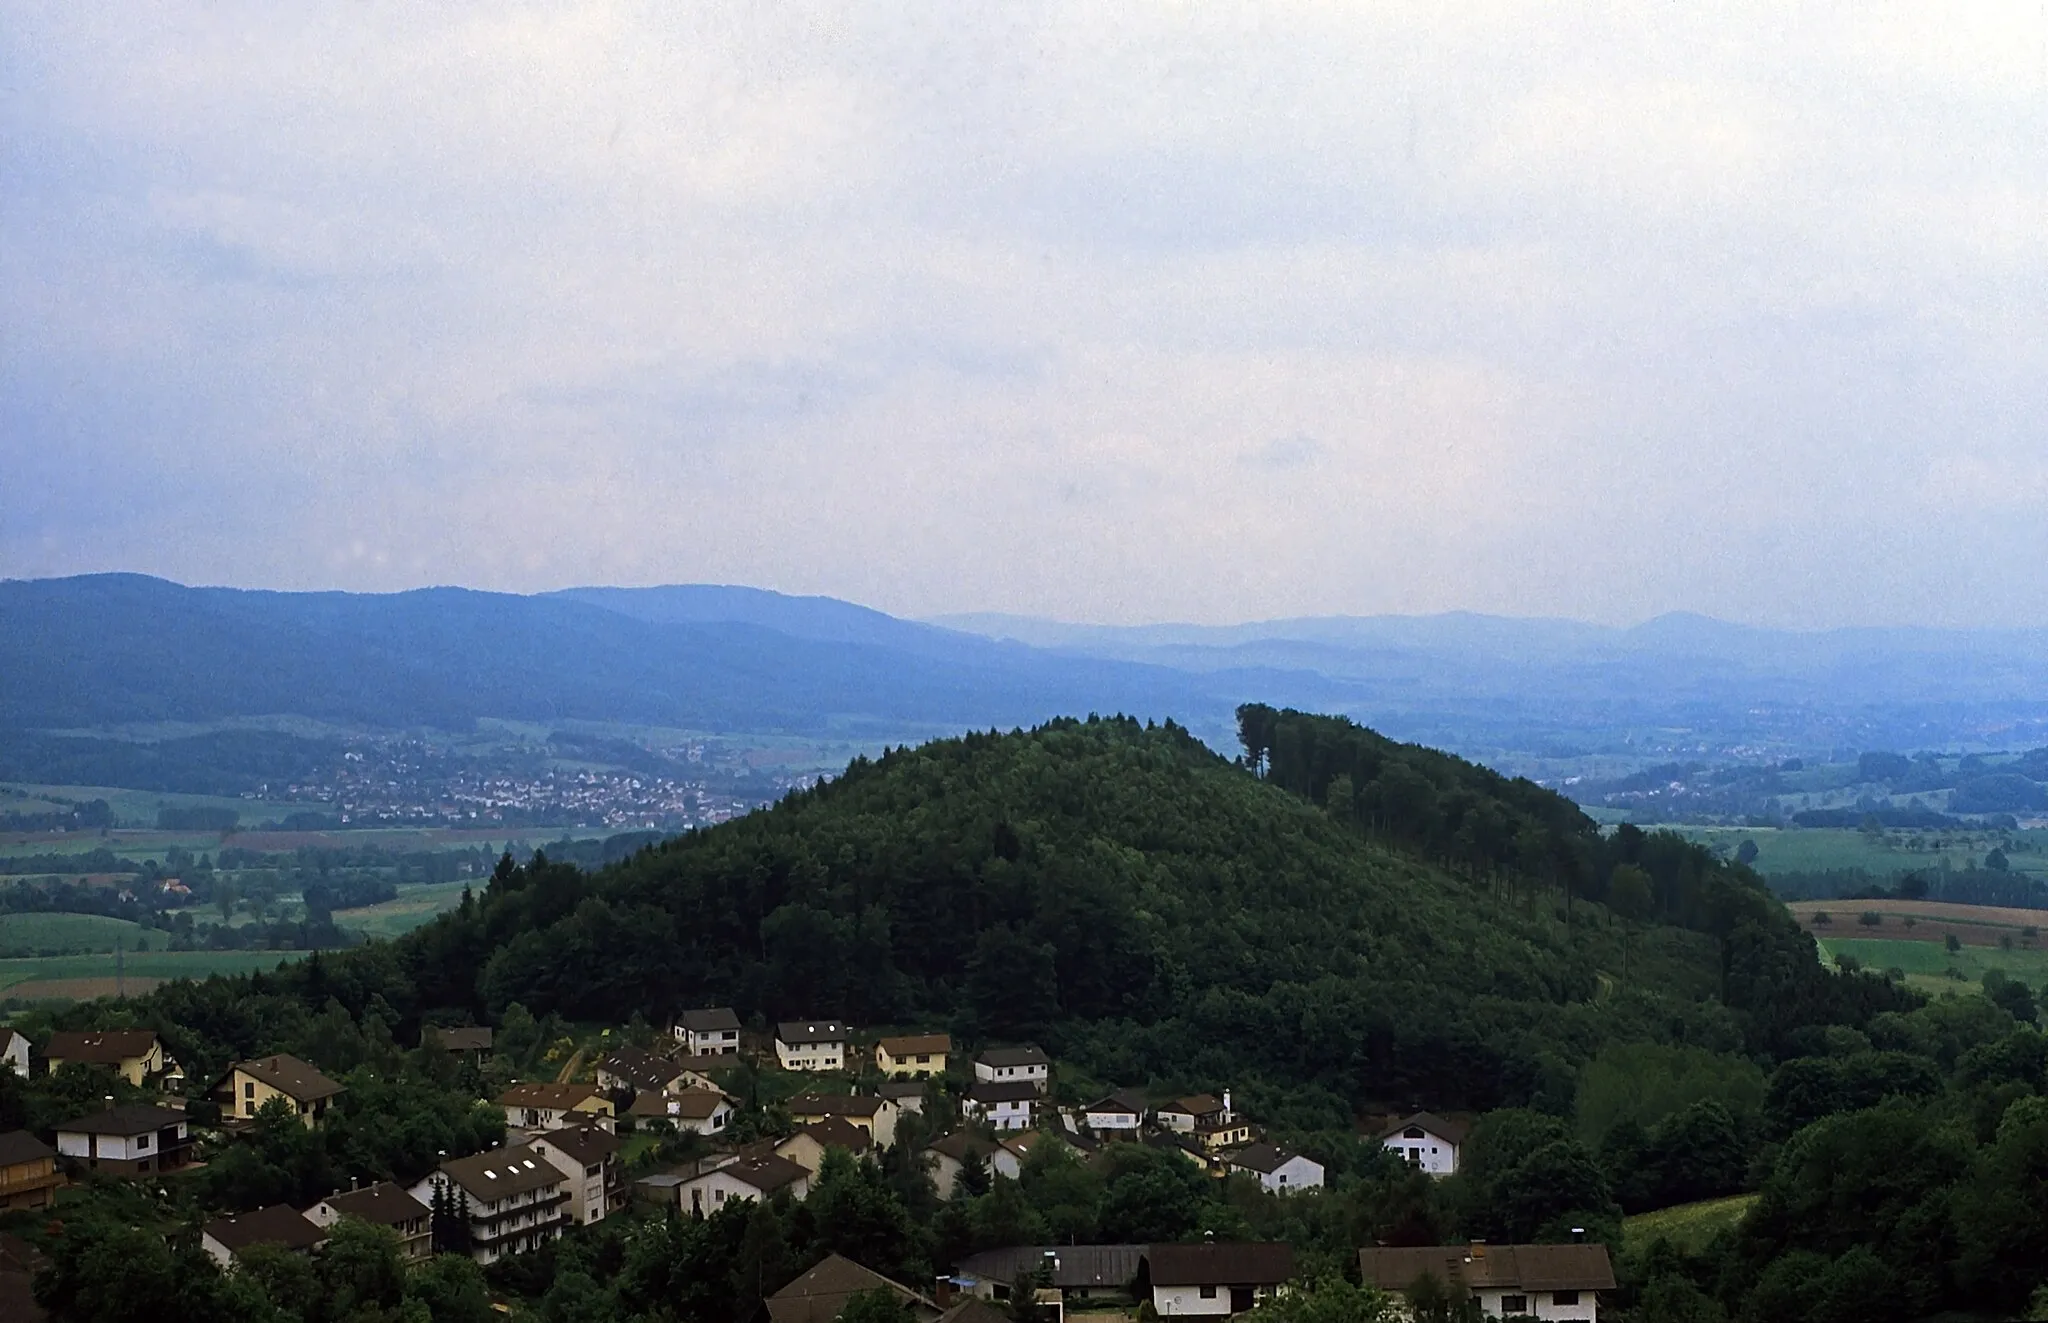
(1151, 911)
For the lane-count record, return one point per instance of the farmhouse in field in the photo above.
(1541, 1281)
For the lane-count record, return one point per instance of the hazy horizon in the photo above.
(1097, 315)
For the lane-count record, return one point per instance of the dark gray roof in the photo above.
(710, 1020)
(819, 1295)
(127, 1119)
(962, 1144)
(385, 1204)
(1241, 1263)
(1072, 1265)
(1441, 1127)
(1014, 1056)
(489, 1177)
(893, 1089)
(833, 1104)
(640, 1068)
(1001, 1091)
(792, 1032)
(106, 1047)
(1121, 1100)
(1265, 1158)
(459, 1038)
(586, 1144)
(19, 1146)
(1496, 1267)
(279, 1224)
(765, 1171)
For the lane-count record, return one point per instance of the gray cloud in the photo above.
(1555, 310)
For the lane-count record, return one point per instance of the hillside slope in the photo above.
(1125, 895)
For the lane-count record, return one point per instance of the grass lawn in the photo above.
(1819, 849)
(1688, 1226)
(415, 905)
(1926, 963)
(137, 808)
(68, 934)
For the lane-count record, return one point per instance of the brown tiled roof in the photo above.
(765, 1171)
(974, 1309)
(1122, 1100)
(586, 1144)
(489, 1177)
(1266, 1158)
(912, 1044)
(559, 1097)
(819, 1295)
(688, 1105)
(1202, 1104)
(100, 1047)
(1491, 1267)
(19, 1146)
(640, 1068)
(459, 1038)
(279, 1224)
(833, 1104)
(1242, 1263)
(1441, 1127)
(385, 1204)
(837, 1132)
(1072, 1265)
(291, 1076)
(962, 1144)
(1014, 1056)
(128, 1119)
(897, 1089)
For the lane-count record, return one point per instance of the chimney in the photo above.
(109, 1102)
(942, 1292)
(1226, 1104)
(1578, 1235)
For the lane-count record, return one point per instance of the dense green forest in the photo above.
(1331, 922)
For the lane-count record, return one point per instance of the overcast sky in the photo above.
(1106, 312)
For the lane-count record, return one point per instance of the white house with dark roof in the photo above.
(711, 1032)
(516, 1199)
(1214, 1279)
(1006, 1106)
(589, 1159)
(131, 1140)
(700, 1111)
(280, 1224)
(1120, 1115)
(1429, 1143)
(14, 1052)
(1549, 1282)
(1277, 1170)
(386, 1205)
(754, 1176)
(1004, 1065)
(811, 1045)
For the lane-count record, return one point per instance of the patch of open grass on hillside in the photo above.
(1926, 963)
(1821, 849)
(414, 906)
(69, 934)
(1688, 1226)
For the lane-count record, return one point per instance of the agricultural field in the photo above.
(414, 906)
(69, 934)
(1821, 849)
(1927, 965)
(1688, 1226)
(138, 808)
(76, 977)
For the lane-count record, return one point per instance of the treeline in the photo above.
(1961, 886)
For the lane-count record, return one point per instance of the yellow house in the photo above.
(251, 1084)
(915, 1056)
(137, 1055)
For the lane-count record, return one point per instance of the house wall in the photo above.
(716, 1043)
(1300, 1173)
(1008, 1115)
(1038, 1074)
(1172, 1300)
(1432, 1153)
(1118, 1122)
(136, 1070)
(415, 1238)
(917, 1066)
(539, 1224)
(714, 1190)
(135, 1150)
(587, 1202)
(217, 1252)
(811, 1056)
(29, 1184)
(1542, 1306)
(15, 1055)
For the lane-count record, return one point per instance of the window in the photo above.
(1564, 1297)
(248, 1090)
(1208, 1293)
(141, 1142)
(1514, 1304)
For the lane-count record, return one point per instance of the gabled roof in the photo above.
(19, 1146)
(1201, 1104)
(586, 1144)
(1453, 1132)
(974, 1309)
(911, 1045)
(457, 1038)
(279, 1224)
(489, 1177)
(384, 1204)
(1072, 1265)
(1002, 1091)
(294, 1078)
(1494, 1267)
(556, 1097)
(7, 1037)
(710, 1020)
(896, 1089)
(126, 1120)
(100, 1047)
(819, 1295)
(962, 1145)
(837, 1132)
(1263, 1158)
(766, 1172)
(834, 1104)
(640, 1068)
(792, 1032)
(1220, 1264)
(688, 1105)
(1119, 1100)
(1014, 1056)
